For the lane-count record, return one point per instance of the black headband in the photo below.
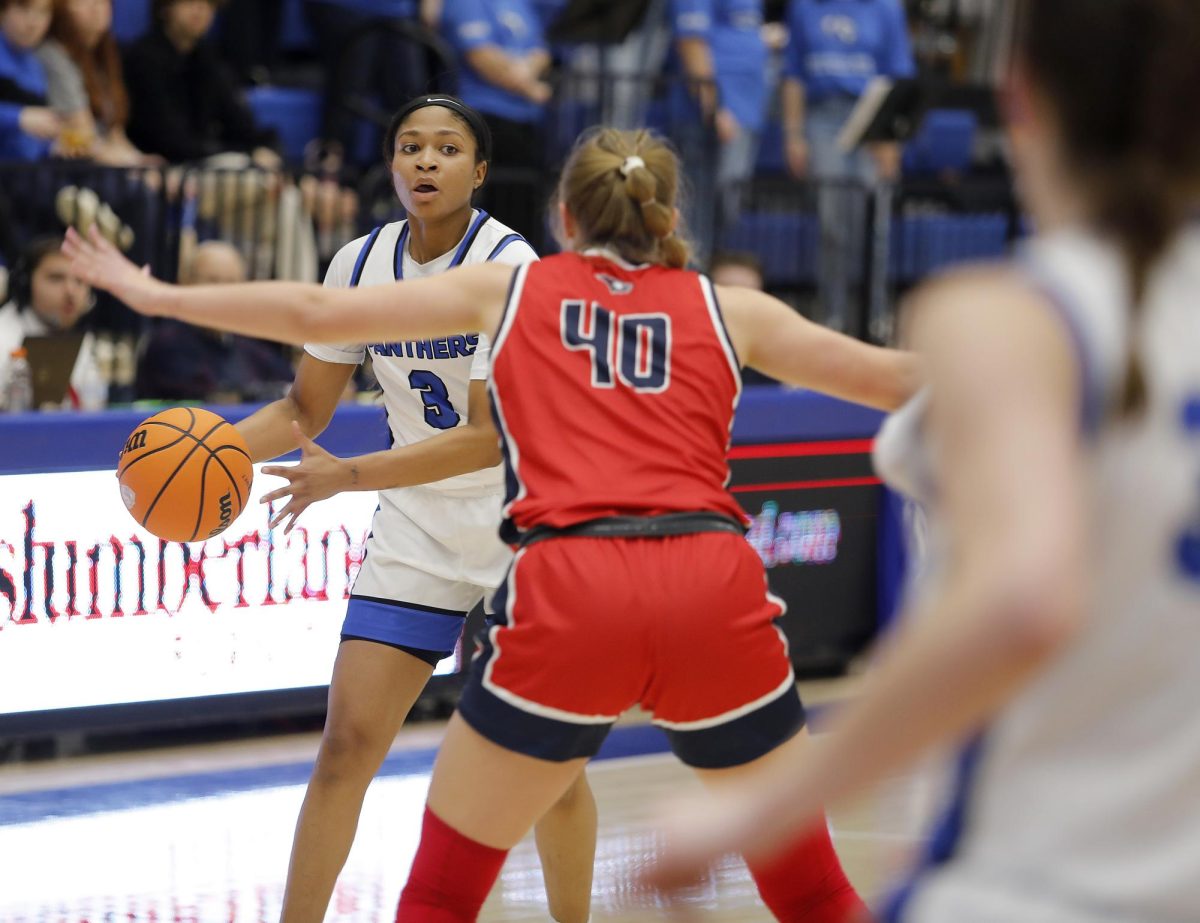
(479, 128)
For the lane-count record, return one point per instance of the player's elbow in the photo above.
(491, 454)
(906, 379)
(312, 319)
(486, 445)
(1037, 608)
(892, 379)
(301, 408)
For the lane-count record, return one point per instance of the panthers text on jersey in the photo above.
(425, 382)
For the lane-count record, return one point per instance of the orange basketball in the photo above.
(185, 474)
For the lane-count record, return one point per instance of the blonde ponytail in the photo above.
(620, 187)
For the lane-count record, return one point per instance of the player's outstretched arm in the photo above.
(1003, 424)
(467, 299)
(774, 339)
(319, 475)
(311, 402)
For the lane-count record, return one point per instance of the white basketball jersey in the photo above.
(1081, 801)
(425, 382)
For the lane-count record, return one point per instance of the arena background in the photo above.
(104, 628)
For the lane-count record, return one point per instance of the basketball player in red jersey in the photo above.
(614, 381)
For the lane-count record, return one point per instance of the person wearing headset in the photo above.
(46, 299)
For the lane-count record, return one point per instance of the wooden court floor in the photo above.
(202, 834)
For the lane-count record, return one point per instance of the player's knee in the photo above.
(350, 748)
(578, 797)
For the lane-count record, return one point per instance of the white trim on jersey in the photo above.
(519, 702)
(510, 445)
(718, 322)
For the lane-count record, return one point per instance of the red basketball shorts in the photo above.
(589, 627)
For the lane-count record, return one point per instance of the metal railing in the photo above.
(840, 251)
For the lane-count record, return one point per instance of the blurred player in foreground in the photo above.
(614, 382)
(1056, 632)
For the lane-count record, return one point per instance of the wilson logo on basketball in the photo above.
(226, 515)
(135, 442)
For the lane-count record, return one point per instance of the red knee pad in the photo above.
(450, 878)
(805, 882)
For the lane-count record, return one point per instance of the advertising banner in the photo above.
(96, 611)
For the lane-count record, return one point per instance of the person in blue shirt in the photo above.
(723, 63)
(28, 126)
(835, 48)
(503, 59)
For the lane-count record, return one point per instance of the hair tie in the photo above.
(631, 163)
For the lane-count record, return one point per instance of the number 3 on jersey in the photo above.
(638, 345)
(439, 412)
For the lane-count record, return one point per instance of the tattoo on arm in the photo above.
(354, 475)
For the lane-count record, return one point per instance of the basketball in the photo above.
(185, 474)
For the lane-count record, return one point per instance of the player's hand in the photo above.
(101, 265)
(700, 828)
(317, 476)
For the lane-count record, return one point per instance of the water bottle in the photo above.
(18, 392)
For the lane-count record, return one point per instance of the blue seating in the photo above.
(131, 19)
(367, 144)
(787, 243)
(293, 112)
(295, 34)
(924, 243)
(944, 142)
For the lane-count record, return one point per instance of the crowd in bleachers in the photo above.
(170, 123)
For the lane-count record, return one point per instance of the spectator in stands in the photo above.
(86, 82)
(28, 127)
(734, 267)
(9, 246)
(45, 299)
(503, 58)
(182, 362)
(616, 81)
(836, 47)
(723, 59)
(363, 62)
(249, 38)
(184, 102)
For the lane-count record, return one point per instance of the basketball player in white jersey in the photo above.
(1055, 629)
(433, 552)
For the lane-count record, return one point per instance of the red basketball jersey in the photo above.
(614, 389)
